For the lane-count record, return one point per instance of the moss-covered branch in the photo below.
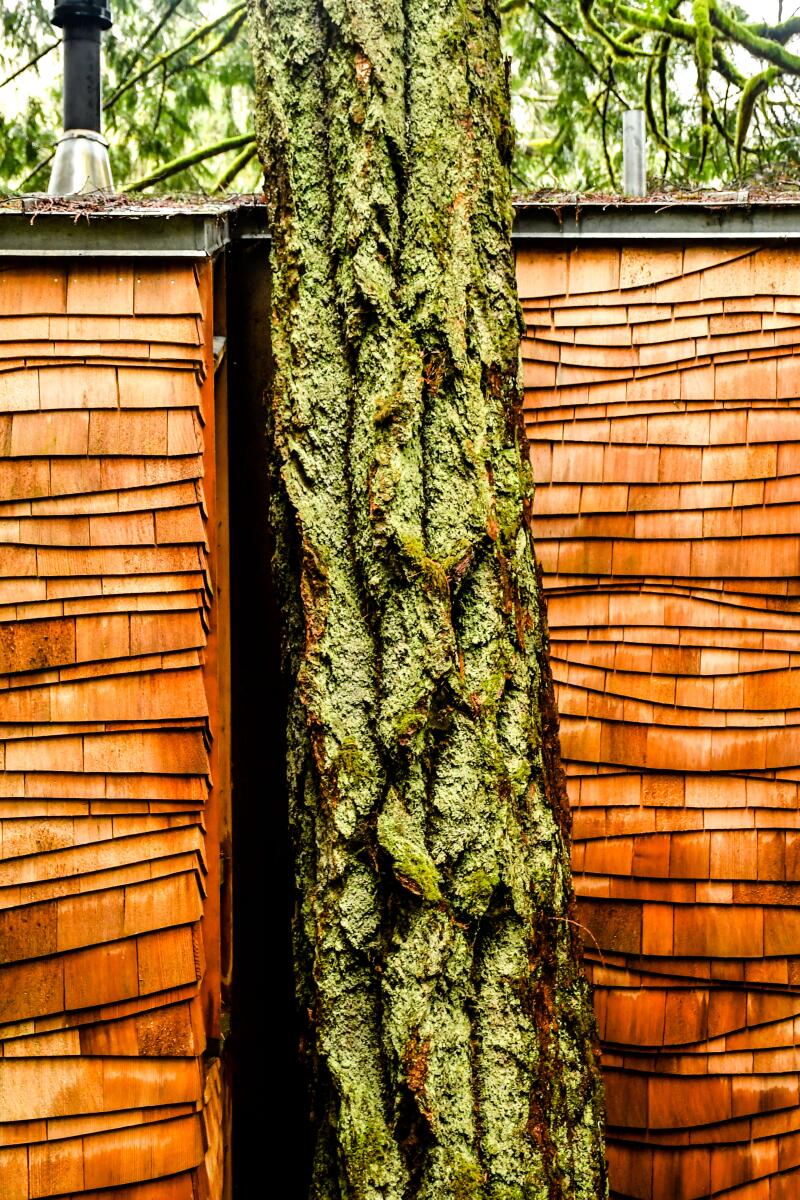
(754, 88)
(729, 72)
(704, 60)
(234, 168)
(729, 114)
(618, 47)
(757, 45)
(663, 23)
(137, 54)
(776, 33)
(566, 37)
(185, 161)
(656, 69)
(225, 38)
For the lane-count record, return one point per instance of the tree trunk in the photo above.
(450, 1030)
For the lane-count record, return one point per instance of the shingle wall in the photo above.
(106, 405)
(661, 402)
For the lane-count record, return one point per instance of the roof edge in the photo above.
(722, 216)
(30, 228)
(38, 227)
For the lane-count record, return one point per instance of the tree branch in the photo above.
(31, 63)
(663, 90)
(683, 30)
(32, 174)
(719, 125)
(725, 67)
(747, 102)
(662, 50)
(604, 137)
(232, 170)
(776, 33)
(189, 160)
(566, 37)
(168, 55)
(222, 41)
(618, 47)
(704, 58)
(134, 57)
(759, 47)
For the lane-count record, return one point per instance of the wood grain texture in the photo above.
(106, 435)
(661, 403)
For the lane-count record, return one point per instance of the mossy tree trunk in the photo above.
(450, 1033)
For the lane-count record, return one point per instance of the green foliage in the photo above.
(721, 92)
(177, 79)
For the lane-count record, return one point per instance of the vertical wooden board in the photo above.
(31, 989)
(36, 1088)
(14, 1170)
(161, 904)
(146, 387)
(90, 919)
(176, 1187)
(99, 588)
(150, 1082)
(102, 637)
(100, 975)
(167, 1031)
(78, 386)
(540, 274)
(19, 391)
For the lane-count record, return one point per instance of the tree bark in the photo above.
(450, 1030)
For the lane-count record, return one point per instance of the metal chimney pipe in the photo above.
(634, 151)
(81, 163)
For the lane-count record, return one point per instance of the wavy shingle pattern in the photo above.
(106, 386)
(661, 404)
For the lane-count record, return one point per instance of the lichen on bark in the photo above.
(450, 1031)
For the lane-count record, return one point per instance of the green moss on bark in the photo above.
(450, 1028)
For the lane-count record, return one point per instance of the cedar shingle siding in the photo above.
(106, 394)
(661, 404)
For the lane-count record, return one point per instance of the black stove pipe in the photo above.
(82, 23)
(82, 147)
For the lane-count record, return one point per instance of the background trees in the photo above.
(178, 86)
(720, 87)
(719, 82)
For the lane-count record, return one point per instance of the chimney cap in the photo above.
(79, 12)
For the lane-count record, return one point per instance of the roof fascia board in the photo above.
(28, 231)
(127, 233)
(656, 221)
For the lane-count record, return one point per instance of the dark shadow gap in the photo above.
(268, 1097)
